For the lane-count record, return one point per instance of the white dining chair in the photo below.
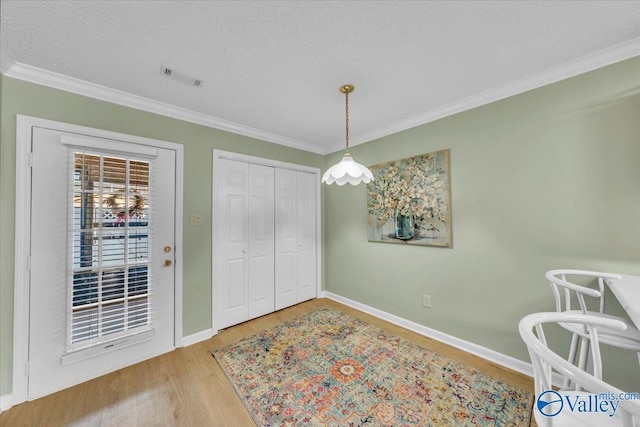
(562, 407)
(573, 298)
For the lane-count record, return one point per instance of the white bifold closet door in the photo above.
(244, 252)
(295, 237)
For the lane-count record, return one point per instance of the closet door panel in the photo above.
(261, 240)
(286, 280)
(232, 198)
(306, 236)
(286, 243)
(236, 300)
(305, 268)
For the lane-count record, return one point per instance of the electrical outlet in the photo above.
(196, 219)
(426, 301)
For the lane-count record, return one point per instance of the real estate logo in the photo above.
(550, 402)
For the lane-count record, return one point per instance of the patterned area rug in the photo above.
(330, 369)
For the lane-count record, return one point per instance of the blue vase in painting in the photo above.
(403, 224)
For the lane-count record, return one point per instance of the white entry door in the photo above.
(102, 265)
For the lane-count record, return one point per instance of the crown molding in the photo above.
(39, 76)
(617, 53)
(600, 59)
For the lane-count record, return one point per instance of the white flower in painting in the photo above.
(417, 184)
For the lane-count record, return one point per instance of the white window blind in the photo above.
(109, 286)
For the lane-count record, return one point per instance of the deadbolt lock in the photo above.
(167, 249)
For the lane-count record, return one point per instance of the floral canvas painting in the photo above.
(409, 201)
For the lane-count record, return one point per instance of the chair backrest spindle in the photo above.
(558, 279)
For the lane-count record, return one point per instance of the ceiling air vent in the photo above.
(181, 77)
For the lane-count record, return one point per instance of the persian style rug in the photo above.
(329, 369)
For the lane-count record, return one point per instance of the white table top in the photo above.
(627, 291)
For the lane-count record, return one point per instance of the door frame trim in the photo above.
(21, 313)
(229, 155)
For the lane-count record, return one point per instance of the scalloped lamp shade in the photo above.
(347, 170)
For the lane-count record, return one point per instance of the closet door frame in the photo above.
(229, 155)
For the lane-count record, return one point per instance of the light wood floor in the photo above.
(187, 388)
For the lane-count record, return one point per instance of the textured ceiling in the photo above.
(273, 69)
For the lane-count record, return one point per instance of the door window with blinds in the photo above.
(109, 280)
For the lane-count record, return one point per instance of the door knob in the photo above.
(167, 263)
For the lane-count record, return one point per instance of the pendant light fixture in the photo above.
(347, 170)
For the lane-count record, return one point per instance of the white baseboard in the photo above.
(5, 402)
(478, 350)
(197, 337)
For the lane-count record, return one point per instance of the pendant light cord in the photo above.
(346, 109)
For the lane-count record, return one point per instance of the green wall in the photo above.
(19, 97)
(546, 179)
